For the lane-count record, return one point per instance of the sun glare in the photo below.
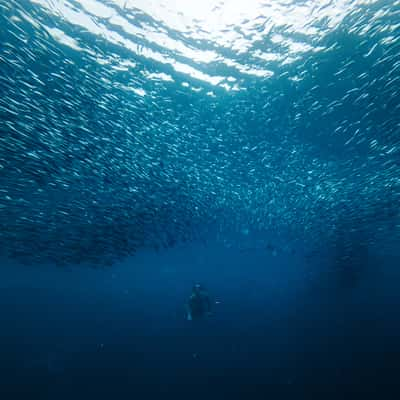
(207, 29)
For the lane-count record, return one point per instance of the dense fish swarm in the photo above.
(124, 126)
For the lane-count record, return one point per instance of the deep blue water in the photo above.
(253, 147)
(122, 332)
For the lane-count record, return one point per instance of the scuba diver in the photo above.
(199, 304)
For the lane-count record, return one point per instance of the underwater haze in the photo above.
(250, 146)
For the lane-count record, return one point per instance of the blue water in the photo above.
(253, 147)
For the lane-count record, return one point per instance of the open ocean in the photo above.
(252, 146)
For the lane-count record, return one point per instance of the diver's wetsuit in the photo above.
(199, 304)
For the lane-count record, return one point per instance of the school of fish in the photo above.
(129, 124)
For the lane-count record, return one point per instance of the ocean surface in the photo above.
(250, 146)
